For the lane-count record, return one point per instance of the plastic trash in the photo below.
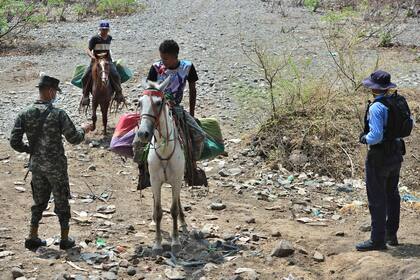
(409, 198)
(100, 242)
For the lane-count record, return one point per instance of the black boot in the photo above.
(87, 88)
(119, 97)
(369, 245)
(85, 100)
(199, 177)
(391, 239)
(86, 92)
(66, 242)
(144, 177)
(33, 242)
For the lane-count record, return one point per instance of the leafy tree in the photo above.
(17, 16)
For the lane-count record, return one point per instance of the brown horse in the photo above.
(101, 90)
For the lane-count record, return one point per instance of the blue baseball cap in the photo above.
(104, 24)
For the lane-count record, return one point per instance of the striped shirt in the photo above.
(99, 45)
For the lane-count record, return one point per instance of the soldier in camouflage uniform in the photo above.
(48, 163)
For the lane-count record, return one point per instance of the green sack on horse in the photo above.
(213, 143)
(124, 71)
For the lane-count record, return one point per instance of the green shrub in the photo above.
(55, 3)
(80, 10)
(117, 7)
(313, 5)
(385, 39)
(337, 16)
(16, 16)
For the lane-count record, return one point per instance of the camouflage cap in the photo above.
(47, 81)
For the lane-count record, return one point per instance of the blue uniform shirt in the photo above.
(377, 118)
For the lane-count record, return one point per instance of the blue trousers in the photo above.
(384, 198)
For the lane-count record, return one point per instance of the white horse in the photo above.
(166, 159)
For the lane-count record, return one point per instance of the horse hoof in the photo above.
(176, 248)
(157, 250)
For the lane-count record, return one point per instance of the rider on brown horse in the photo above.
(100, 44)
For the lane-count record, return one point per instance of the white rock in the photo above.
(235, 171)
(6, 254)
(20, 189)
(235, 141)
(252, 274)
(336, 217)
(209, 267)
(304, 220)
(283, 249)
(217, 206)
(318, 257)
(175, 274)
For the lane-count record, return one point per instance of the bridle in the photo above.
(156, 117)
(101, 69)
(157, 111)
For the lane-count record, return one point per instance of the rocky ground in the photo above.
(254, 221)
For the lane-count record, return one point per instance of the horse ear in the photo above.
(152, 85)
(164, 84)
(145, 83)
(149, 84)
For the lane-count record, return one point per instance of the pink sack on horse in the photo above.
(122, 140)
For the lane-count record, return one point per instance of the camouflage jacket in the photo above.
(48, 155)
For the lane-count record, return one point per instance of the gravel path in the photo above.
(209, 33)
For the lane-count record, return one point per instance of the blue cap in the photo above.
(104, 24)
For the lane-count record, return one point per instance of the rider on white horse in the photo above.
(181, 72)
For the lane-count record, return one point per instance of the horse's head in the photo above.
(151, 105)
(103, 68)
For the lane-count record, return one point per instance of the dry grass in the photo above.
(317, 131)
(328, 137)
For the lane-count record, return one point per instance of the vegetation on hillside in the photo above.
(315, 117)
(16, 16)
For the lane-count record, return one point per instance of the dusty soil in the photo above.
(263, 204)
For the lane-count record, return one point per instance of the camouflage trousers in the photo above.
(42, 186)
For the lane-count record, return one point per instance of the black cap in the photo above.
(47, 81)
